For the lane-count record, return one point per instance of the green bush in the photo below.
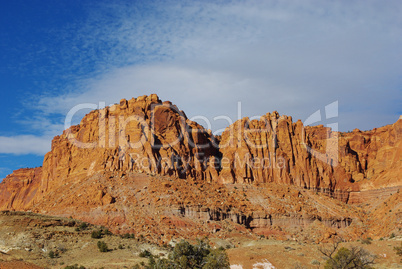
(145, 254)
(216, 259)
(83, 226)
(52, 254)
(106, 231)
(102, 246)
(186, 255)
(350, 258)
(97, 234)
(75, 266)
(127, 236)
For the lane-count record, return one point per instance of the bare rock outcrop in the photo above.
(142, 135)
(142, 162)
(274, 149)
(18, 189)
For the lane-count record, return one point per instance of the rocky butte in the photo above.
(142, 166)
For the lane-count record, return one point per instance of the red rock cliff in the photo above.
(142, 134)
(18, 189)
(274, 149)
(147, 135)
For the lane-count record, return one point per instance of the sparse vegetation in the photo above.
(398, 250)
(127, 236)
(83, 226)
(106, 231)
(345, 258)
(185, 255)
(52, 254)
(102, 246)
(145, 254)
(75, 266)
(97, 234)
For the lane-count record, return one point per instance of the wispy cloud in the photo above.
(290, 56)
(24, 144)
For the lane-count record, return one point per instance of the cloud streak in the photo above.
(291, 56)
(24, 144)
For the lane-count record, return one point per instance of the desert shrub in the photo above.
(186, 255)
(106, 231)
(216, 259)
(97, 234)
(127, 236)
(120, 246)
(345, 258)
(52, 254)
(392, 236)
(83, 226)
(75, 266)
(145, 254)
(102, 246)
(350, 258)
(398, 250)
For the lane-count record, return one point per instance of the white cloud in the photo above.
(291, 56)
(24, 144)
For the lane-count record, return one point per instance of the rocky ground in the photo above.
(161, 208)
(27, 239)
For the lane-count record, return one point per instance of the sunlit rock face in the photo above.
(101, 165)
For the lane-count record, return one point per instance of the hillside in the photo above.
(142, 167)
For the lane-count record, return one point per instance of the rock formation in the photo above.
(101, 165)
(274, 149)
(18, 190)
(142, 134)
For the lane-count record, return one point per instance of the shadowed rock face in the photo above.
(148, 136)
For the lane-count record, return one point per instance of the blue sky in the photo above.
(295, 57)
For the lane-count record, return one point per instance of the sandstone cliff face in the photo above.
(274, 149)
(377, 156)
(142, 134)
(18, 189)
(95, 171)
(147, 136)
